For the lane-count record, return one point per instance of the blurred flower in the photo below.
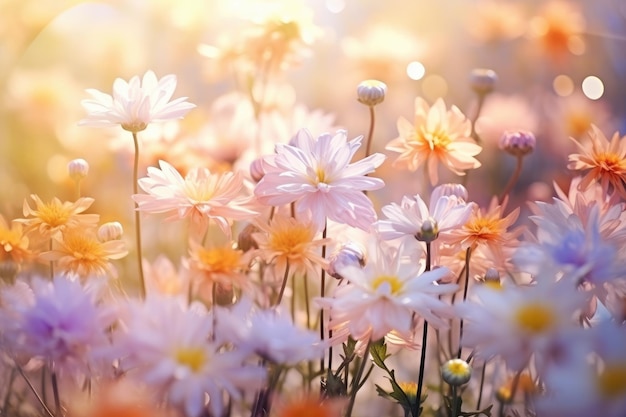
(437, 136)
(317, 175)
(200, 196)
(52, 218)
(483, 80)
(65, 324)
(350, 253)
(162, 278)
(269, 333)
(168, 347)
(385, 295)
(287, 241)
(558, 28)
(308, 405)
(606, 161)
(13, 242)
(517, 322)
(135, 103)
(80, 252)
(501, 113)
(492, 21)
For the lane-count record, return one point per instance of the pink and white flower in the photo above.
(316, 174)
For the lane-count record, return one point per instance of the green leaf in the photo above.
(378, 350)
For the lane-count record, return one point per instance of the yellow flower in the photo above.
(13, 242)
(437, 136)
(605, 160)
(52, 218)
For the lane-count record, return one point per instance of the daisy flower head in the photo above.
(136, 103)
(167, 346)
(54, 217)
(517, 322)
(13, 242)
(65, 324)
(200, 195)
(316, 174)
(287, 241)
(386, 294)
(80, 252)
(605, 160)
(437, 136)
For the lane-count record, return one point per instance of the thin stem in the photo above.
(357, 379)
(322, 291)
(55, 391)
(481, 101)
(142, 282)
(513, 179)
(77, 188)
(468, 254)
(306, 301)
(482, 384)
(7, 397)
(283, 285)
(420, 378)
(34, 391)
(455, 405)
(51, 263)
(293, 298)
(370, 134)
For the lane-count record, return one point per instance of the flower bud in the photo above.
(483, 80)
(492, 279)
(451, 189)
(110, 231)
(518, 143)
(78, 169)
(456, 372)
(348, 254)
(429, 231)
(371, 92)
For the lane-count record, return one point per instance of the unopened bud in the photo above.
(450, 189)
(483, 80)
(371, 92)
(348, 254)
(110, 231)
(429, 231)
(518, 143)
(456, 372)
(492, 279)
(78, 169)
(245, 240)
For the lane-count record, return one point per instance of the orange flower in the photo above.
(606, 161)
(54, 217)
(225, 265)
(81, 253)
(309, 406)
(13, 243)
(437, 136)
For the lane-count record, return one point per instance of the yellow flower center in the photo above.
(200, 190)
(612, 381)
(525, 386)
(291, 240)
(437, 140)
(535, 317)
(409, 388)
(457, 367)
(320, 176)
(54, 214)
(392, 281)
(192, 357)
(608, 161)
(220, 260)
(83, 247)
(484, 228)
(492, 284)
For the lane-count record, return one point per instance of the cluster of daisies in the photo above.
(294, 281)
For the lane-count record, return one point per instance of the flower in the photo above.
(200, 196)
(606, 161)
(518, 143)
(515, 322)
(163, 278)
(385, 295)
(288, 241)
(436, 136)
(13, 242)
(135, 103)
(81, 252)
(317, 175)
(168, 346)
(65, 324)
(50, 219)
(371, 92)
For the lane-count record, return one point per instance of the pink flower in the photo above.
(135, 104)
(200, 195)
(317, 175)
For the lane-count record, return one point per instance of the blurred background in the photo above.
(260, 70)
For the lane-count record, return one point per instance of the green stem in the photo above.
(142, 282)
(322, 292)
(357, 380)
(420, 378)
(482, 384)
(370, 134)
